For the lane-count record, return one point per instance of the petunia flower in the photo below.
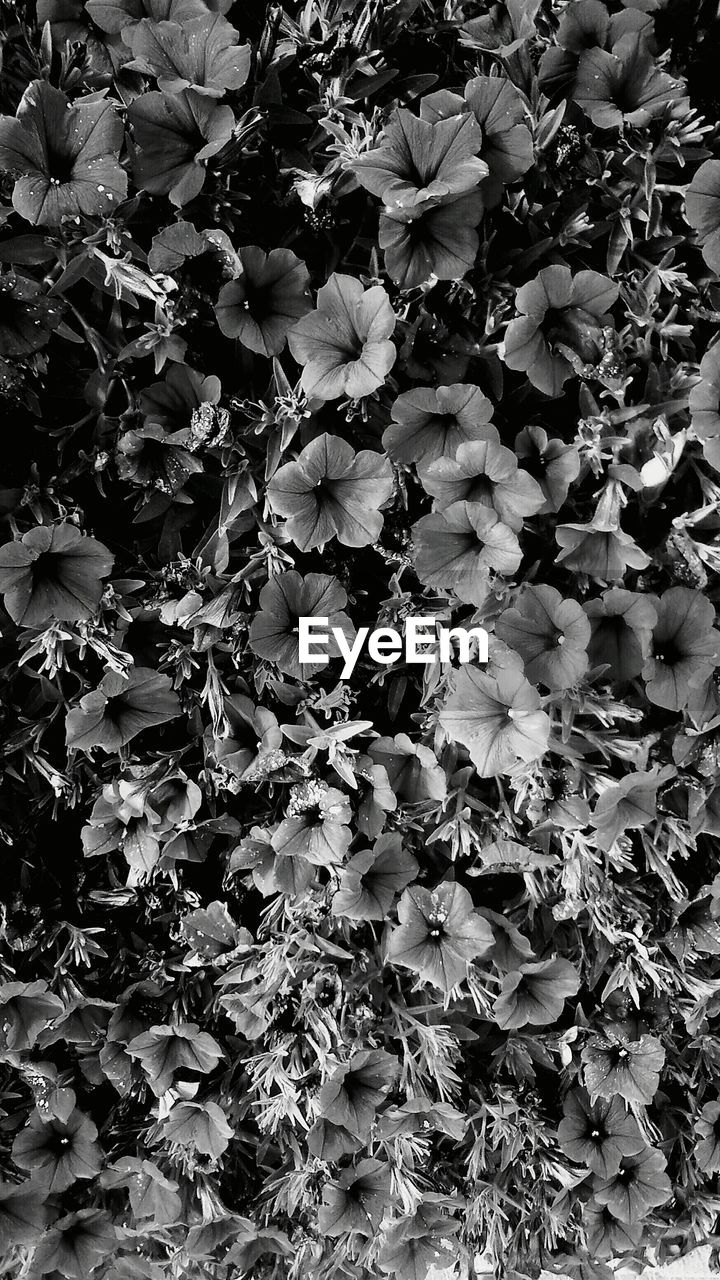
(707, 1127)
(603, 554)
(684, 650)
(640, 1184)
(332, 492)
(419, 162)
(201, 53)
(53, 571)
(24, 1214)
(119, 709)
(553, 464)
(58, 1152)
(316, 825)
(285, 599)
(550, 634)
(440, 243)
(606, 1235)
(705, 405)
(171, 403)
(625, 85)
(439, 934)
(355, 1089)
(455, 549)
(265, 302)
(617, 1067)
(702, 209)
(26, 1008)
(507, 145)
(411, 769)
(372, 877)
(66, 156)
(76, 1244)
(628, 805)
(622, 624)
(535, 993)
(497, 717)
(432, 422)
(598, 1134)
(483, 471)
(175, 136)
(356, 1200)
(344, 344)
(115, 16)
(27, 315)
(154, 458)
(558, 313)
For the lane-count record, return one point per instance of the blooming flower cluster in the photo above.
(361, 310)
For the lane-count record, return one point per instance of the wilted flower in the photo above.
(618, 1067)
(685, 647)
(535, 993)
(344, 345)
(65, 153)
(420, 162)
(28, 315)
(432, 422)
(285, 599)
(264, 303)
(640, 1184)
(550, 634)
(455, 549)
(559, 314)
(59, 1152)
(119, 709)
(439, 934)
(622, 624)
(498, 718)
(176, 134)
(598, 1134)
(332, 492)
(53, 571)
(483, 471)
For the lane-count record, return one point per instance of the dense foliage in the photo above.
(366, 310)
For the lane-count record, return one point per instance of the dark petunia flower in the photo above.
(441, 242)
(685, 647)
(356, 1200)
(705, 405)
(332, 492)
(24, 1214)
(201, 54)
(598, 1134)
(507, 146)
(58, 1152)
(624, 86)
(607, 1236)
(551, 462)
(265, 302)
(283, 601)
(315, 827)
(617, 1067)
(535, 993)
(455, 549)
(344, 344)
(354, 1090)
(372, 877)
(622, 626)
(420, 162)
(707, 1127)
(27, 315)
(431, 422)
(26, 1008)
(75, 1245)
(560, 315)
(550, 634)
(498, 718)
(412, 770)
(640, 1184)
(153, 458)
(702, 209)
(53, 571)
(483, 471)
(628, 805)
(175, 136)
(170, 404)
(115, 16)
(66, 155)
(439, 933)
(119, 709)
